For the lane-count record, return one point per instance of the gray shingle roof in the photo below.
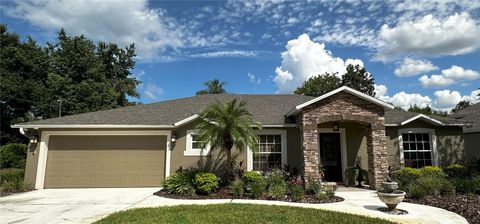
(266, 109)
(470, 115)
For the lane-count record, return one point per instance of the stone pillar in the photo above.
(310, 147)
(377, 153)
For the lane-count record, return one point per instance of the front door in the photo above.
(330, 155)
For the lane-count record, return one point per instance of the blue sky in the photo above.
(419, 52)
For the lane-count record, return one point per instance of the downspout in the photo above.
(22, 131)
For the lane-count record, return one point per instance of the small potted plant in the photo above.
(359, 173)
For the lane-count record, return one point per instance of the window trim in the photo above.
(283, 136)
(189, 151)
(433, 142)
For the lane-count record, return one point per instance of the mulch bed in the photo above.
(467, 206)
(224, 193)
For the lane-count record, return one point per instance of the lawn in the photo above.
(234, 213)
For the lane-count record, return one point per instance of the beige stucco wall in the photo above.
(31, 164)
(472, 145)
(450, 143)
(214, 162)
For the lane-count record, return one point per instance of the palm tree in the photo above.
(213, 87)
(227, 125)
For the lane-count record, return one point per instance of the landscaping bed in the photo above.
(236, 213)
(467, 206)
(224, 193)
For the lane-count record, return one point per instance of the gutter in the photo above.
(89, 126)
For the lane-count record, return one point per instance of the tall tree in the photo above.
(319, 85)
(358, 78)
(213, 87)
(461, 105)
(83, 75)
(225, 126)
(23, 72)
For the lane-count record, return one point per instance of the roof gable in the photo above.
(347, 89)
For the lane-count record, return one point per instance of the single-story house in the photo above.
(141, 145)
(471, 133)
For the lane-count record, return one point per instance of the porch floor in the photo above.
(357, 201)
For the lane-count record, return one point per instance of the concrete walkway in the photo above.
(90, 204)
(357, 201)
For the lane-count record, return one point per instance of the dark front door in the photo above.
(330, 155)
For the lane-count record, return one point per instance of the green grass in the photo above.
(234, 213)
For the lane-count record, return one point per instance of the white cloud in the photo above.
(459, 73)
(305, 58)
(446, 100)
(449, 76)
(454, 35)
(381, 92)
(405, 100)
(412, 67)
(232, 53)
(435, 81)
(123, 22)
(153, 91)
(254, 79)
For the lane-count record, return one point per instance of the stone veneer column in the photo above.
(377, 153)
(310, 147)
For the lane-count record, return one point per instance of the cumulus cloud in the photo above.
(446, 100)
(305, 58)
(153, 91)
(381, 92)
(123, 22)
(253, 79)
(455, 35)
(459, 73)
(435, 81)
(405, 100)
(412, 67)
(449, 76)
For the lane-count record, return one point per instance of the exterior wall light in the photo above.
(336, 126)
(173, 139)
(33, 139)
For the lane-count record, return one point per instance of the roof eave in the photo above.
(41, 126)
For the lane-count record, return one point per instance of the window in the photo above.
(270, 152)
(195, 147)
(417, 148)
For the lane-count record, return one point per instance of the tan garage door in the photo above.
(105, 161)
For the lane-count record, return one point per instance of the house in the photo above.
(142, 145)
(471, 133)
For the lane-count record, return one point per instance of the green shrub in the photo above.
(456, 170)
(237, 188)
(257, 188)
(11, 175)
(14, 186)
(181, 182)
(296, 192)
(275, 177)
(206, 183)
(432, 171)
(463, 185)
(249, 178)
(406, 176)
(476, 184)
(277, 190)
(430, 186)
(313, 186)
(417, 191)
(13, 156)
(324, 194)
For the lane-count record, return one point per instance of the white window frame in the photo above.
(433, 142)
(283, 136)
(189, 151)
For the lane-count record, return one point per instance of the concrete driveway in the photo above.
(83, 205)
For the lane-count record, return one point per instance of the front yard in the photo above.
(234, 213)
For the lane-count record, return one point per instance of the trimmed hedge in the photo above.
(206, 183)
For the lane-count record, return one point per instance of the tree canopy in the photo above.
(214, 86)
(356, 77)
(84, 75)
(461, 105)
(427, 111)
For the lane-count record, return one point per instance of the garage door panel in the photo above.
(105, 161)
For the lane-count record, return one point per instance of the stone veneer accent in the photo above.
(344, 107)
